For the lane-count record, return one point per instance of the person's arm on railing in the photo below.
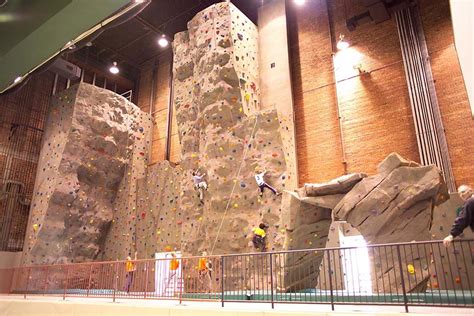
(461, 222)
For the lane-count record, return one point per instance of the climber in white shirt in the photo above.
(259, 178)
(200, 184)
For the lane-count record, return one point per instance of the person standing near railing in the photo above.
(205, 271)
(465, 217)
(130, 268)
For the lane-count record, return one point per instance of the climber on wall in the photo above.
(205, 271)
(465, 217)
(259, 178)
(259, 239)
(199, 184)
(130, 268)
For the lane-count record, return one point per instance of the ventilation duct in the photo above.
(378, 11)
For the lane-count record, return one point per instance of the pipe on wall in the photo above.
(431, 139)
(333, 55)
(151, 107)
(169, 121)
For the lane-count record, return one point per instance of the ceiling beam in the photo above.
(133, 41)
(148, 25)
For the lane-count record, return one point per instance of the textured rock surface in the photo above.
(337, 186)
(307, 220)
(94, 138)
(395, 206)
(224, 135)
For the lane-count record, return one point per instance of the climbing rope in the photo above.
(252, 136)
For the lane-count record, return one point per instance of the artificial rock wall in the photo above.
(224, 134)
(93, 141)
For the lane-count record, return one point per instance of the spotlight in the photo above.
(342, 44)
(139, 1)
(114, 69)
(299, 2)
(17, 79)
(163, 41)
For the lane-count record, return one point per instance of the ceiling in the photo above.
(133, 43)
(32, 32)
(20, 18)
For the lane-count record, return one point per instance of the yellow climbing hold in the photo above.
(411, 269)
(236, 205)
(35, 227)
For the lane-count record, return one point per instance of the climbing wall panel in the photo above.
(94, 140)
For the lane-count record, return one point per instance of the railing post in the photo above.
(405, 298)
(179, 274)
(27, 282)
(45, 280)
(146, 279)
(66, 283)
(222, 281)
(89, 282)
(115, 279)
(271, 280)
(330, 280)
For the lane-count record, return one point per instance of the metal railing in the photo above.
(403, 274)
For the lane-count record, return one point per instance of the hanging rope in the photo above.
(252, 136)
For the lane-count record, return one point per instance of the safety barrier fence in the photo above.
(403, 274)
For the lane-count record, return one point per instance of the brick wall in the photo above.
(375, 107)
(22, 118)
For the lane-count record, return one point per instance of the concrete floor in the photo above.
(46, 305)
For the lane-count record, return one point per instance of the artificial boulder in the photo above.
(307, 220)
(395, 206)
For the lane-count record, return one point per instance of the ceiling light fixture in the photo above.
(163, 41)
(299, 2)
(17, 79)
(341, 43)
(114, 69)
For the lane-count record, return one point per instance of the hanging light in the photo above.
(163, 41)
(114, 69)
(341, 43)
(299, 2)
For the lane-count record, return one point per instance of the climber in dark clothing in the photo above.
(465, 217)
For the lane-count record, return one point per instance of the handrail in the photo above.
(256, 253)
(423, 273)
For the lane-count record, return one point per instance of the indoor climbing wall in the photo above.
(93, 139)
(154, 221)
(244, 44)
(224, 136)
